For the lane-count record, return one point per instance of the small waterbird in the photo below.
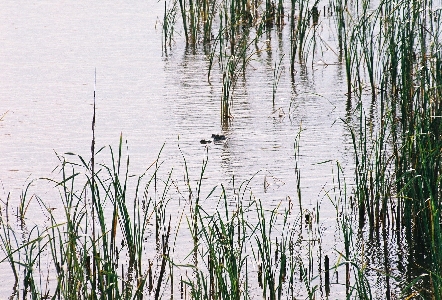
(218, 137)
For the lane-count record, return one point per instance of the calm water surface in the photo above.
(49, 53)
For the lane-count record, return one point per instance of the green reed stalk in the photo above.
(277, 70)
(367, 38)
(93, 186)
(184, 19)
(193, 24)
(293, 36)
(303, 25)
(265, 253)
(169, 20)
(7, 238)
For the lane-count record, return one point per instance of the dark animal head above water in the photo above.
(218, 137)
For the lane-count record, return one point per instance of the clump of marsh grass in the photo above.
(225, 240)
(400, 161)
(112, 264)
(168, 26)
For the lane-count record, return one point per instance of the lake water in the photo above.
(51, 49)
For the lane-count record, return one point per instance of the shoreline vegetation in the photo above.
(114, 237)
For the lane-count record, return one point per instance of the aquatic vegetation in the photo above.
(276, 77)
(115, 245)
(115, 238)
(169, 21)
(390, 52)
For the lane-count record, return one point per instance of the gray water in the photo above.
(50, 51)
